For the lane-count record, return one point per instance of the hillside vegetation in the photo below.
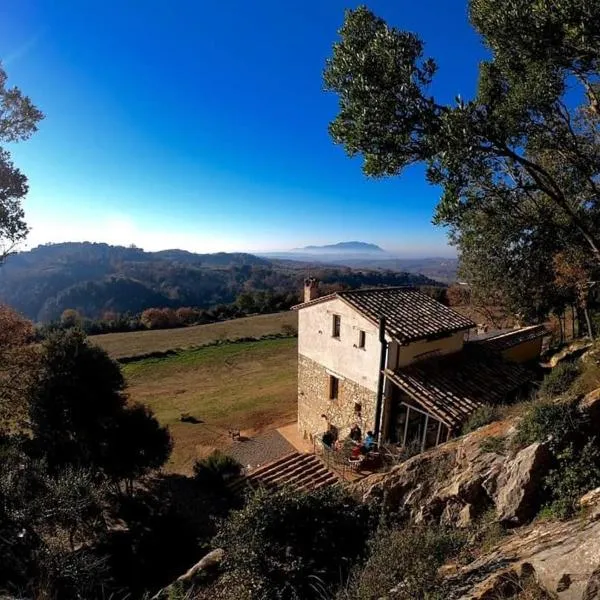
(139, 343)
(97, 278)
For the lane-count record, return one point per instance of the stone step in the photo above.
(276, 464)
(288, 470)
(311, 469)
(324, 481)
(299, 471)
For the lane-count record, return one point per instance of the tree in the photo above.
(157, 318)
(47, 523)
(572, 275)
(18, 121)
(281, 544)
(70, 318)
(79, 416)
(138, 445)
(520, 152)
(19, 363)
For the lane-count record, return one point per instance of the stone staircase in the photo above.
(300, 471)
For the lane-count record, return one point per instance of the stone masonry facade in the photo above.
(314, 402)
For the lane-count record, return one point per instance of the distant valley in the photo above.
(96, 279)
(363, 255)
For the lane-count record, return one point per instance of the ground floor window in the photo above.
(412, 426)
(334, 387)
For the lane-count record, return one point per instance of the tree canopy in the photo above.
(79, 414)
(519, 163)
(18, 121)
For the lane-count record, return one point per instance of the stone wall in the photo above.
(313, 402)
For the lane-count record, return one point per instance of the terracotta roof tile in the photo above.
(410, 314)
(505, 340)
(451, 387)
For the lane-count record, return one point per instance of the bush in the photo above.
(406, 560)
(555, 422)
(216, 469)
(570, 437)
(560, 379)
(481, 416)
(576, 473)
(494, 444)
(285, 545)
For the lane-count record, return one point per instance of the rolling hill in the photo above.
(95, 278)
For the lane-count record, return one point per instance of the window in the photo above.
(334, 387)
(361, 339)
(336, 326)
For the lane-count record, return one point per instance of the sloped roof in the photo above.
(504, 340)
(451, 387)
(410, 314)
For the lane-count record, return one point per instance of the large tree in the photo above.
(18, 121)
(525, 151)
(79, 414)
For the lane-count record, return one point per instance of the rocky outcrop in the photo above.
(570, 352)
(562, 557)
(518, 497)
(454, 483)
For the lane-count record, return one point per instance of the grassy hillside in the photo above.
(121, 345)
(249, 386)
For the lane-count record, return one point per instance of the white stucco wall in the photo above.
(341, 356)
(446, 345)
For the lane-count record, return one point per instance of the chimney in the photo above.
(311, 289)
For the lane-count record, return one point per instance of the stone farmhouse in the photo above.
(397, 362)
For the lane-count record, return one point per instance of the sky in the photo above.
(202, 124)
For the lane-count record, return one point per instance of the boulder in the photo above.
(519, 485)
(570, 352)
(591, 499)
(591, 404)
(207, 564)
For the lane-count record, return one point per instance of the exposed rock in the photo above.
(563, 557)
(450, 484)
(570, 352)
(592, 498)
(591, 404)
(205, 565)
(519, 485)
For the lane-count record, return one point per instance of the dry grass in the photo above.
(135, 343)
(251, 386)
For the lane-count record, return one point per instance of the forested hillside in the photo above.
(97, 278)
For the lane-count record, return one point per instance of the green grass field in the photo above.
(136, 343)
(249, 386)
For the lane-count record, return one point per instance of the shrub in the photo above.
(575, 474)
(560, 379)
(555, 422)
(406, 560)
(284, 545)
(481, 416)
(289, 330)
(494, 444)
(216, 468)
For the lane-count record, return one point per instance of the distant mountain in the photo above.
(96, 278)
(342, 248)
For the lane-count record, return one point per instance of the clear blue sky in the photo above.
(202, 124)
